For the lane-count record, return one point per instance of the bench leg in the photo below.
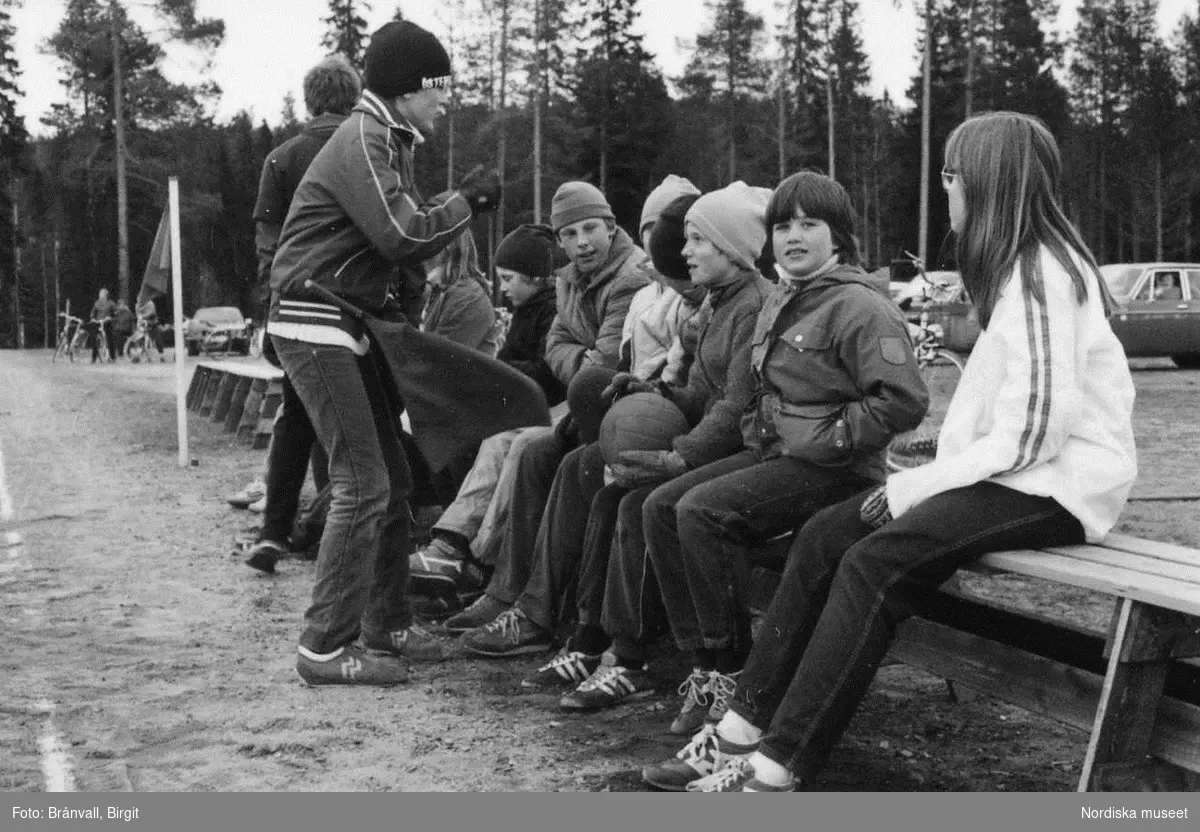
(1133, 684)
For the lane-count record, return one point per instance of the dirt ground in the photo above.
(141, 656)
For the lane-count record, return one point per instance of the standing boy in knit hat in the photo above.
(355, 218)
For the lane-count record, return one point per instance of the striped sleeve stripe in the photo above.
(452, 231)
(1037, 411)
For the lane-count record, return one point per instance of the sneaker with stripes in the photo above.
(568, 669)
(610, 684)
(705, 754)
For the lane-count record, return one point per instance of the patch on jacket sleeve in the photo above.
(894, 350)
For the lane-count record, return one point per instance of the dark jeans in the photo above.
(627, 603)
(846, 589)
(362, 562)
(96, 331)
(535, 472)
(558, 549)
(700, 529)
(293, 445)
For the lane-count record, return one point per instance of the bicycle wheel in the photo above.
(79, 343)
(62, 347)
(941, 373)
(135, 348)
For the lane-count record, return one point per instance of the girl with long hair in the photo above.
(1036, 450)
(459, 306)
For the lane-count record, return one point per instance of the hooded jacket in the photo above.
(836, 374)
(591, 310)
(357, 215)
(525, 344)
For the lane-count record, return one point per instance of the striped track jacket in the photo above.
(1044, 407)
(357, 223)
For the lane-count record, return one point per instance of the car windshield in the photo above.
(1121, 279)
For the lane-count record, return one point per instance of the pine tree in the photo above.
(726, 64)
(346, 29)
(111, 71)
(13, 142)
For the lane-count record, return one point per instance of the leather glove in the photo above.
(875, 511)
(636, 468)
(481, 189)
(623, 384)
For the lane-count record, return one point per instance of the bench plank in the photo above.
(1169, 593)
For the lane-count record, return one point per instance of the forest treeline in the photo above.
(550, 90)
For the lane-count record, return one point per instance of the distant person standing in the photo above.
(330, 90)
(100, 324)
(123, 324)
(354, 219)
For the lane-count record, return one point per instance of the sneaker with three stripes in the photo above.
(610, 684)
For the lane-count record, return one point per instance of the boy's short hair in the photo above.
(332, 86)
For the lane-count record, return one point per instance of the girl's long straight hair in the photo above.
(1010, 170)
(460, 260)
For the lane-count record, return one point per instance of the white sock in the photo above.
(735, 728)
(768, 771)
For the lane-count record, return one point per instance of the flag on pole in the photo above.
(156, 279)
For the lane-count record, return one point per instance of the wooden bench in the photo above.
(242, 395)
(1136, 688)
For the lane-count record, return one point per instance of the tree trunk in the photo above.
(922, 243)
(538, 69)
(1158, 206)
(119, 152)
(782, 126)
(18, 324)
(829, 118)
(969, 81)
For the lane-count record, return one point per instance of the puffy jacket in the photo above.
(720, 384)
(357, 213)
(837, 378)
(462, 312)
(591, 310)
(525, 344)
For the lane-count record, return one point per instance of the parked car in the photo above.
(217, 329)
(1158, 309)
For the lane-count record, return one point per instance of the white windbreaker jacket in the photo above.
(1044, 407)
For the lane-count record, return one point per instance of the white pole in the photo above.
(177, 304)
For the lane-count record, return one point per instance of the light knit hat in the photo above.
(735, 220)
(575, 201)
(667, 192)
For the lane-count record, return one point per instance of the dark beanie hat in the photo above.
(530, 250)
(667, 239)
(402, 57)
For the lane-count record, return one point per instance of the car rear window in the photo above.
(1120, 279)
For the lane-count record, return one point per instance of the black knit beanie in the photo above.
(402, 57)
(530, 250)
(667, 239)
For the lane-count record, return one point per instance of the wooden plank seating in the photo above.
(243, 396)
(1135, 689)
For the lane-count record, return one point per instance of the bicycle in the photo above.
(85, 334)
(140, 343)
(72, 332)
(938, 367)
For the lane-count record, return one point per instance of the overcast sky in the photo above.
(269, 44)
